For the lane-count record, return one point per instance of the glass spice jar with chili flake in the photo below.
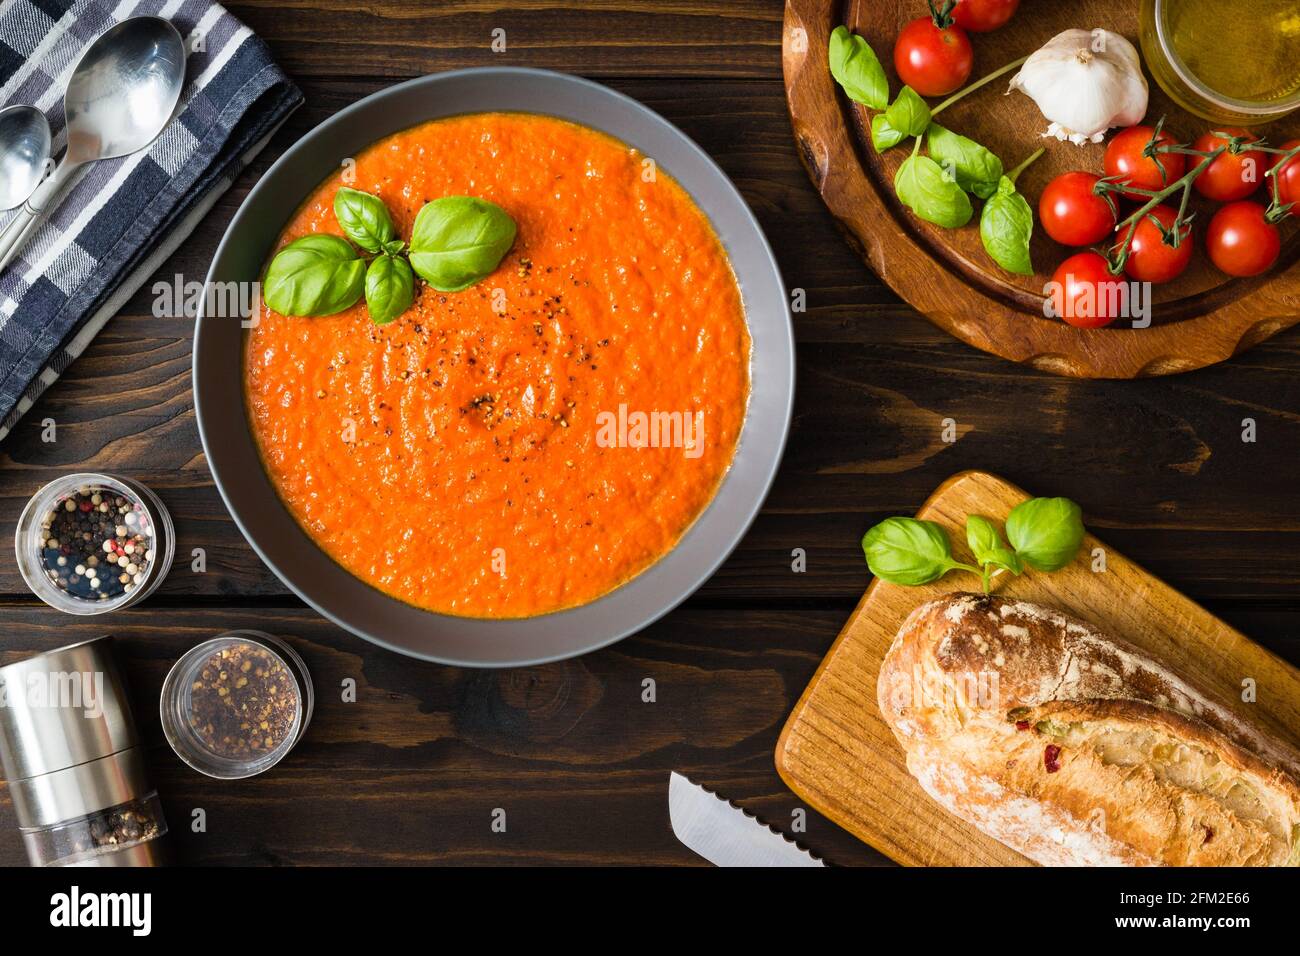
(234, 706)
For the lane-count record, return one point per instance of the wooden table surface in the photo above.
(413, 771)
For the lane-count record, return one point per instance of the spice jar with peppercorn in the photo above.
(73, 761)
(90, 543)
(234, 706)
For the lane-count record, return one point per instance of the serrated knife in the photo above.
(725, 835)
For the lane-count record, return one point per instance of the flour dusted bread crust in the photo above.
(1075, 748)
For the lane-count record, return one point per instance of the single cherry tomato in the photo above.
(1288, 176)
(1072, 213)
(933, 57)
(1081, 289)
(980, 16)
(1127, 163)
(1240, 241)
(1231, 176)
(1150, 258)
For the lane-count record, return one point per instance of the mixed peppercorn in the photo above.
(126, 824)
(96, 544)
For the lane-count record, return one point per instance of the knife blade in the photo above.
(725, 835)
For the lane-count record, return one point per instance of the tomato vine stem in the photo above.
(1015, 173)
(971, 88)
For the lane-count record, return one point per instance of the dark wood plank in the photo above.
(401, 39)
(412, 771)
(1159, 465)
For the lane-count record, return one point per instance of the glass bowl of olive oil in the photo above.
(1230, 62)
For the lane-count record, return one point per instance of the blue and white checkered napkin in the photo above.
(121, 218)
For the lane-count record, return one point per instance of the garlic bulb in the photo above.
(1085, 82)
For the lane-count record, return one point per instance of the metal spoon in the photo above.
(120, 97)
(24, 151)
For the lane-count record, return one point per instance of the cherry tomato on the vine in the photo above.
(980, 16)
(933, 60)
(1231, 176)
(1126, 162)
(1150, 258)
(1081, 291)
(1072, 214)
(1240, 241)
(1288, 176)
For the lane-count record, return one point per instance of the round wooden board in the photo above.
(1201, 318)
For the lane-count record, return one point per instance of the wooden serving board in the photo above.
(1201, 318)
(837, 753)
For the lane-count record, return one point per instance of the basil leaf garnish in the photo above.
(976, 169)
(458, 240)
(908, 551)
(312, 276)
(390, 289)
(923, 188)
(987, 546)
(1006, 224)
(1046, 532)
(364, 218)
(857, 69)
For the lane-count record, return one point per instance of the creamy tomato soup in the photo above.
(534, 441)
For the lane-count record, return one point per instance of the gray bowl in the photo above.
(473, 642)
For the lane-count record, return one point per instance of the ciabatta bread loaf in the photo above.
(1075, 748)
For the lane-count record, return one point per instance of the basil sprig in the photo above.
(314, 275)
(857, 69)
(456, 242)
(934, 185)
(1044, 533)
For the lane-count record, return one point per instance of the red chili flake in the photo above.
(1022, 725)
(1050, 756)
(1209, 834)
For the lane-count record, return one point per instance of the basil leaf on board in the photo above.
(1006, 223)
(907, 551)
(364, 218)
(923, 188)
(1046, 532)
(987, 546)
(909, 112)
(857, 69)
(458, 240)
(883, 134)
(394, 247)
(907, 116)
(975, 168)
(313, 276)
(390, 288)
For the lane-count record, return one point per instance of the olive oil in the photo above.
(1226, 60)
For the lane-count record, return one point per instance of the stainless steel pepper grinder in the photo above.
(74, 763)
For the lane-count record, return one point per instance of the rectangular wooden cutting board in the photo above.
(837, 753)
